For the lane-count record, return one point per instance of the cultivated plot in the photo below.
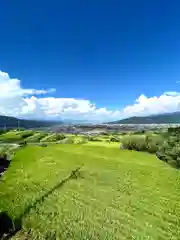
(116, 194)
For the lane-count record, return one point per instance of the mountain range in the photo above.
(12, 122)
(166, 118)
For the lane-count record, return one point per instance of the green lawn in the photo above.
(119, 195)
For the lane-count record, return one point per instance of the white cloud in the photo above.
(27, 103)
(154, 105)
(11, 88)
(172, 93)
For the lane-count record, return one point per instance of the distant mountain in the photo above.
(79, 121)
(73, 121)
(166, 118)
(12, 122)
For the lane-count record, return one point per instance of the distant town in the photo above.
(95, 129)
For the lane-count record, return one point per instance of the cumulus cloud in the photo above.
(31, 103)
(172, 93)
(167, 102)
(11, 88)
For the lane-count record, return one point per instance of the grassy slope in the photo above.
(14, 136)
(103, 144)
(122, 195)
(36, 137)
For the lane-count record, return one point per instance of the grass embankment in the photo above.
(119, 195)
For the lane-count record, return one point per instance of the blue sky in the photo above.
(107, 53)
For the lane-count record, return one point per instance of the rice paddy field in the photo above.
(31, 136)
(90, 191)
(15, 136)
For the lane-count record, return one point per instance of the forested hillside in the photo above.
(167, 118)
(11, 122)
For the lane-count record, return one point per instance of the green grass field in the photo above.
(119, 194)
(104, 144)
(32, 136)
(36, 137)
(15, 136)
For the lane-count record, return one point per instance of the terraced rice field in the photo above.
(15, 136)
(36, 137)
(117, 194)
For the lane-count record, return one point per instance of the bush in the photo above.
(26, 135)
(59, 137)
(139, 132)
(3, 154)
(94, 139)
(104, 133)
(43, 145)
(170, 152)
(166, 149)
(123, 133)
(22, 143)
(134, 143)
(114, 139)
(2, 131)
(6, 153)
(149, 144)
(36, 137)
(153, 143)
(174, 131)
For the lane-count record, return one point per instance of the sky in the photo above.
(93, 60)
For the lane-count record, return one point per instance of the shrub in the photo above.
(134, 143)
(2, 131)
(94, 139)
(22, 143)
(123, 133)
(104, 133)
(139, 132)
(169, 151)
(43, 145)
(174, 131)
(166, 149)
(26, 134)
(114, 139)
(153, 143)
(149, 144)
(36, 137)
(6, 153)
(3, 154)
(59, 137)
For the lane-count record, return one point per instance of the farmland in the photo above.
(31, 136)
(93, 190)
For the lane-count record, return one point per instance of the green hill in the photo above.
(166, 118)
(12, 122)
